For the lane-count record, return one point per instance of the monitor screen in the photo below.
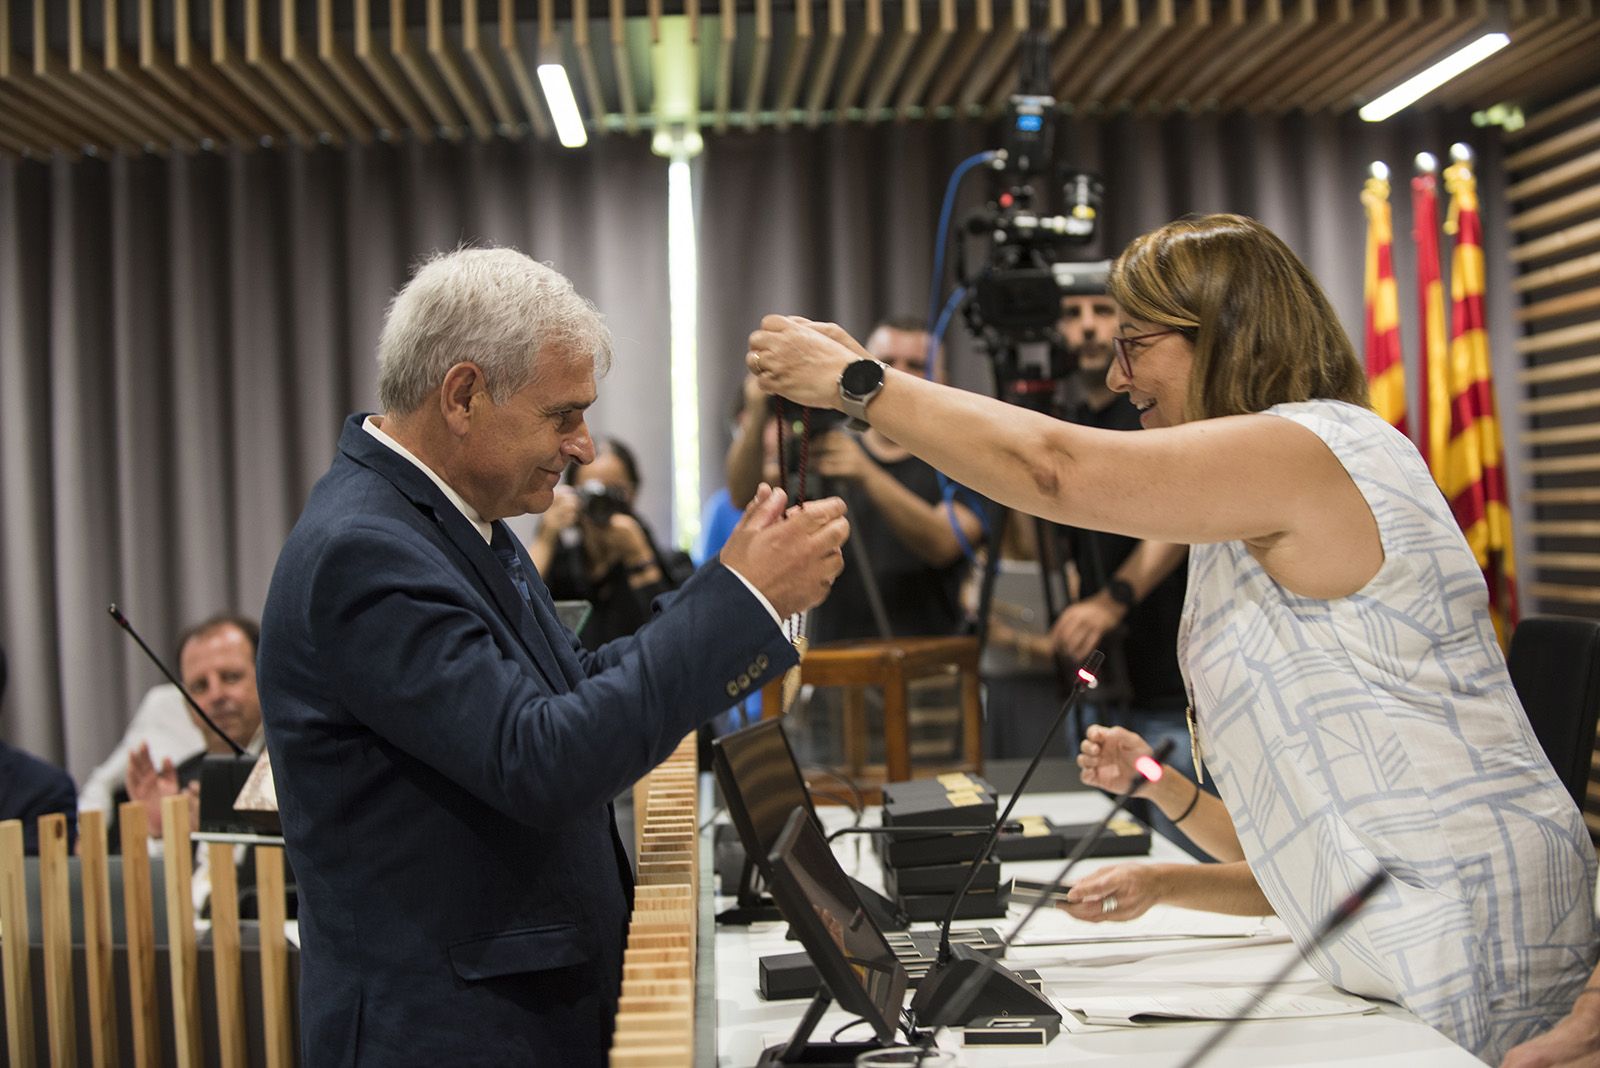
(761, 784)
(849, 952)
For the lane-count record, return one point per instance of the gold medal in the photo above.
(1194, 744)
(791, 678)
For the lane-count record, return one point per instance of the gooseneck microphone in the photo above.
(890, 832)
(1003, 992)
(122, 621)
(969, 994)
(1342, 914)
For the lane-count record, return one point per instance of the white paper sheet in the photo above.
(1201, 1004)
(1052, 927)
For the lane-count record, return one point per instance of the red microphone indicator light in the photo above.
(1149, 767)
(1088, 677)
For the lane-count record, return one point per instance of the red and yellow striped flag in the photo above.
(1433, 366)
(1386, 369)
(1474, 479)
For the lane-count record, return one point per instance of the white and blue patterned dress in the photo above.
(1382, 729)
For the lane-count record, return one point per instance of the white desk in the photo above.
(746, 1024)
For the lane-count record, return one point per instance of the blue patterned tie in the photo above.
(506, 551)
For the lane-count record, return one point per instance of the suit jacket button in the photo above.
(744, 681)
(733, 689)
(762, 662)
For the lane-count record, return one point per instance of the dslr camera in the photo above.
(598, 502)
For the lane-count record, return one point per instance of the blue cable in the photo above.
(943, 235)
(947, 488)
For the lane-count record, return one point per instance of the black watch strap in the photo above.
(1121, 592)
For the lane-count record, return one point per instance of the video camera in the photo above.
(1031, 258)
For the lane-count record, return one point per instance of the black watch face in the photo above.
(861, 377)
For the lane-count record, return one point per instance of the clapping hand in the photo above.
(149, 785)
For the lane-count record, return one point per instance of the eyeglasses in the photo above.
(1124, 354)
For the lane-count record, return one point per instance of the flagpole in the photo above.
(1433, 430)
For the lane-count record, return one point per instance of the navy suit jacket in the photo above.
(445, 758)
(30, 788)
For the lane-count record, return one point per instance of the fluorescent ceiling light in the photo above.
(1414, 89)
(563, 105)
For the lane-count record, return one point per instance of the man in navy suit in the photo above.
(445, 751)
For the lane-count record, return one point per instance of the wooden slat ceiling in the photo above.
(181, 75)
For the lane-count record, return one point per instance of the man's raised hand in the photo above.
(791, 557)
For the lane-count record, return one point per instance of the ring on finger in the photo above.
(758, 363)
(1108, 904)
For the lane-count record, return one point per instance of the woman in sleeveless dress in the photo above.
(1349, 695)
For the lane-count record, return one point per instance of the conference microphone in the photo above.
(971, 978)
(889, 832)
(122, 621)
(997, 990)
(1342, 914)
(221, 777)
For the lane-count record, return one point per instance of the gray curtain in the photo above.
(838, 223)
(180, 340)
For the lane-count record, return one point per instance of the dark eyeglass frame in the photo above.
(1120, 346)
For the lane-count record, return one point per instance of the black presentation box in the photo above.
(958, 800)
(1039, 839)
(939, 878)
(1124, 837)
(978, 904)
(1042, 839)
(921, 852)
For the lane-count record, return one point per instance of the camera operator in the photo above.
(897, 510)
(591, 547)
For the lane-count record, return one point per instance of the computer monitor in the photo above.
(761, 785)
(854, 961)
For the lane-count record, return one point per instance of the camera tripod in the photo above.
(1039, 392)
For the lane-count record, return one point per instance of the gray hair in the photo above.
(495, 307)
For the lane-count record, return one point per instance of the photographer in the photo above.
(898, 510)
(591, 547)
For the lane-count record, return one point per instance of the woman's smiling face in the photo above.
(1152, 368)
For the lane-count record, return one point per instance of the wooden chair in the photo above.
(892, 666)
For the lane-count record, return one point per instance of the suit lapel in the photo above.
(544, 610)
(366, 450)
(506, 598)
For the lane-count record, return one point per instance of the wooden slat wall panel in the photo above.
(385, 74)
(1554, 186)
(331, 71)
(98, 947)
(656, 1006)
(14, 961)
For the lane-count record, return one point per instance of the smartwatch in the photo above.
(858, 384)
(1121, 592)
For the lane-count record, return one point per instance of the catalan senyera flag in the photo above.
(1473, 475)
(1433, 366)
(1386, 369)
